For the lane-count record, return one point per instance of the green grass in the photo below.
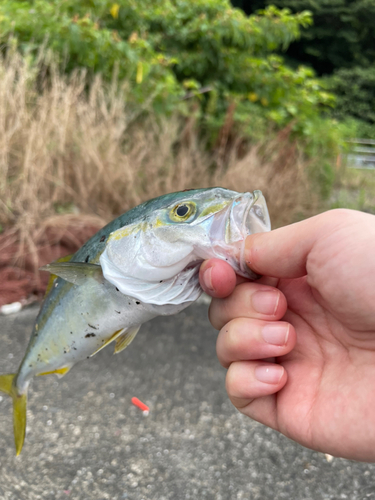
(354, 189)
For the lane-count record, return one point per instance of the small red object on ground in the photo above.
(139, 404)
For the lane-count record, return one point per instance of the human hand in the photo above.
(299, 344)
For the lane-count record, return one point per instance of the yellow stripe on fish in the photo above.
(126, 231)
(212, 209)
(59, 371)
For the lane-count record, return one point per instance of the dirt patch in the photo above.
(19, 261)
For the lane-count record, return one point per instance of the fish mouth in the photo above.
(246, 214)
(256, 218)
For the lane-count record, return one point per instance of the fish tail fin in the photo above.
(8, 386)
(6, 383)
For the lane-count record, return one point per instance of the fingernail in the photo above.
(270, 374)
(266, 301)
(276, 333)
(207, 278)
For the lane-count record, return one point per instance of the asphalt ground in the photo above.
(85, 439)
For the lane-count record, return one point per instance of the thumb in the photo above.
(283, 253)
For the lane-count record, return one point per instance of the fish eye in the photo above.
(182, 212)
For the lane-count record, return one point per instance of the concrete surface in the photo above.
(85, 440)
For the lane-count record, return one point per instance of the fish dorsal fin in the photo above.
(109, 340)
(53, 276)
(126, 338)
(75, 272)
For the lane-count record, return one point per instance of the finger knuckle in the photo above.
(214, 314)
(233, 383)
(232, 340)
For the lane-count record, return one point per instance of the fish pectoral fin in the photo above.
(109, 340)
(60, 372)
(53, 277)
(75, 272)
(126, 338)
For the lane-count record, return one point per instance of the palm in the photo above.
(331, 377)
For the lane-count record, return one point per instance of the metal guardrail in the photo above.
(360, 154)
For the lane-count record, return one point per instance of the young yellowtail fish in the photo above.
(143, 264)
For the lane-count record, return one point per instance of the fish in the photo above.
(143, 264)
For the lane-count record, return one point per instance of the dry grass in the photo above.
(68, 150)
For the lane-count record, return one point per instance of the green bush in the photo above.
(342, 35)
(175, 53)
(355, 91)
(341, 44)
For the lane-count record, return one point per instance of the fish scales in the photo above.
(90, 253)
